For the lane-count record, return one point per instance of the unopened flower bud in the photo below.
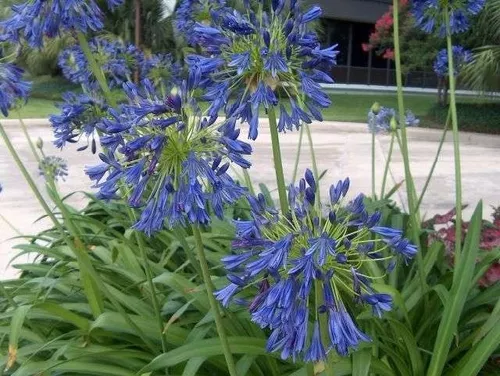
(39, 143)
(375, 108)
(394, 123)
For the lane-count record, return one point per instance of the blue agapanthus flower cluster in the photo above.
(461, 57)
(385, 119)
(118, 61)
(254, 59)
(191, 12)
(52, 167)
(12, 86)
(171, 162)
(430, 14)
(281, 263)
(34, 20)
(81, 116)
(161, 69)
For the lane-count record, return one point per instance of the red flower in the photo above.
(389, 54)
(366, 47)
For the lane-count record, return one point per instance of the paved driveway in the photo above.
(343, 149)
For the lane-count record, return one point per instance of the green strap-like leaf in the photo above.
(206, 348)
(193, 365)
(16, 326)
(474, 360)
(361, 362)
(458, 295)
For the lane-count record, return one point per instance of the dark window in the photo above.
(336, 32)
(360, 35)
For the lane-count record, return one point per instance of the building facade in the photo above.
(349, 24)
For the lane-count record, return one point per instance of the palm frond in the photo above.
(483, 73)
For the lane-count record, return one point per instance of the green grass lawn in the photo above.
(475, 114)
(36, 108)
(354, 106)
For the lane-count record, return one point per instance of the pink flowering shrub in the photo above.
(381, 38)
(443, 227)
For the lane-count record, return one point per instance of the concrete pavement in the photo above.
(343, 149)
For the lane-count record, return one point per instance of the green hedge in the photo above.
(473, 117)
(51, 88)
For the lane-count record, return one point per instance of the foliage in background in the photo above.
(483, 74)
(418, 48)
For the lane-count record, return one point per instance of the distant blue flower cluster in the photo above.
(160, 69)
(381, 119)
(53, 168)
(189, 12)
(254, 59)
(12, 86)
(171, 161)
(81, 115)
(34, 20)
(284, 262)
(430, 14)
(117, 60)
(461, 57)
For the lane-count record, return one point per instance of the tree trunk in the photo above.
(442, 91)
(138, 29)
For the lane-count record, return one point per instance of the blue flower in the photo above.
(160, 69)
(461, 57)
(321, 246)
(33, 20)
(190, 12)
(172, 162)
(117, 60)
(430, 14)
(291, 256)
(241, 61)
(53, 168)
(81, 115)
(12, 87)
(379, 303)
(385, 119)
(312, 14)
(264, 57)
(343, 332)
(275, 63)
(316, 352)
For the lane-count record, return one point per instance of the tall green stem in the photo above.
(101, 79)
(401, 109)
(456, 142)
(95, 304)
(214, 305)
(410, 186)
(154, 297)
(96, 70)
(314, 165)
(434, 163)
(8, 223)
(297, 155)
(29, 180)
(387, 164)
(278, 163)
(28, 137)
(374, 195)
(90, 285)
